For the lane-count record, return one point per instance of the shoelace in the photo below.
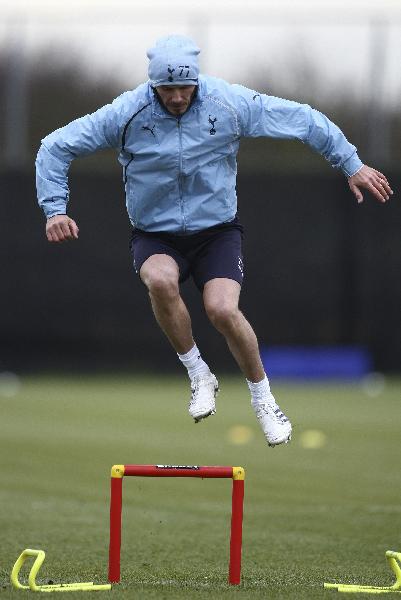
(278, 414)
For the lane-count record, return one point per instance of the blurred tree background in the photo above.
(58, 89)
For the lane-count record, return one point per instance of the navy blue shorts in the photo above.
(205, 255)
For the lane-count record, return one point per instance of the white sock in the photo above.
(194, 363)
(259, 391)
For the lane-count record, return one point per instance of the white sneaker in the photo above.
(204, 390)
(276, 426)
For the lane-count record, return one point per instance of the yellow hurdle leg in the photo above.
(39, 558)
(394, 560)
(57, 587)
(395, 566)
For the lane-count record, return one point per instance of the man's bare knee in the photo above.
(222, 315)
(162, 287)
(160, 274)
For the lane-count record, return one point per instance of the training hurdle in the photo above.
(39, 556)
(237, 474)
(394, 561)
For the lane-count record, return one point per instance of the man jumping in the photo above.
(178, 136)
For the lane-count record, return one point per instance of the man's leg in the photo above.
(221, 297)
(160, 274)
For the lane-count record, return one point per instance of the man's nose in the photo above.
(176, 97)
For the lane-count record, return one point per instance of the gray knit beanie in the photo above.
(173, 61)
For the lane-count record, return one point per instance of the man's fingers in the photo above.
(381, 175)
(386, 186)
(374, 181)
(66, 231)
(357, 192)
(382, 188)
(378, 191)
(73, 229)
(381, 179)
(53, 234)
(384, 179)
(61, 229)
(58, 232)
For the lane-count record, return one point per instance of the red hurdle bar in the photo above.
(237, 474)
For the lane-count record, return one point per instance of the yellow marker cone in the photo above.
(394, 560)
(57, 587)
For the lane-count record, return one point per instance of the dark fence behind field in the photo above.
(320, 270)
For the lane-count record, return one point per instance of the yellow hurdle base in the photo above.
(394, 560)
(40, 556)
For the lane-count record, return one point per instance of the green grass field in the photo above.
(311, 514)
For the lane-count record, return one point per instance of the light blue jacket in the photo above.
(180, 173)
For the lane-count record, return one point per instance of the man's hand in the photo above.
(61, 228)
(372, 180)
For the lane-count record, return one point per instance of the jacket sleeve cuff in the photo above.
(54, 206)
(55, 215)
(352, 165)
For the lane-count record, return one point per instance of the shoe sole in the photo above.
(284, 441)
(200, 417)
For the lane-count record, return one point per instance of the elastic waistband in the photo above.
(167, 234)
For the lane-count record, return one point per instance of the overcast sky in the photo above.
(354, 44)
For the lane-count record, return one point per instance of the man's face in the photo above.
(176, 98)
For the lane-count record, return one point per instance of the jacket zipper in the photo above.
(184, 228)
(126, 167)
